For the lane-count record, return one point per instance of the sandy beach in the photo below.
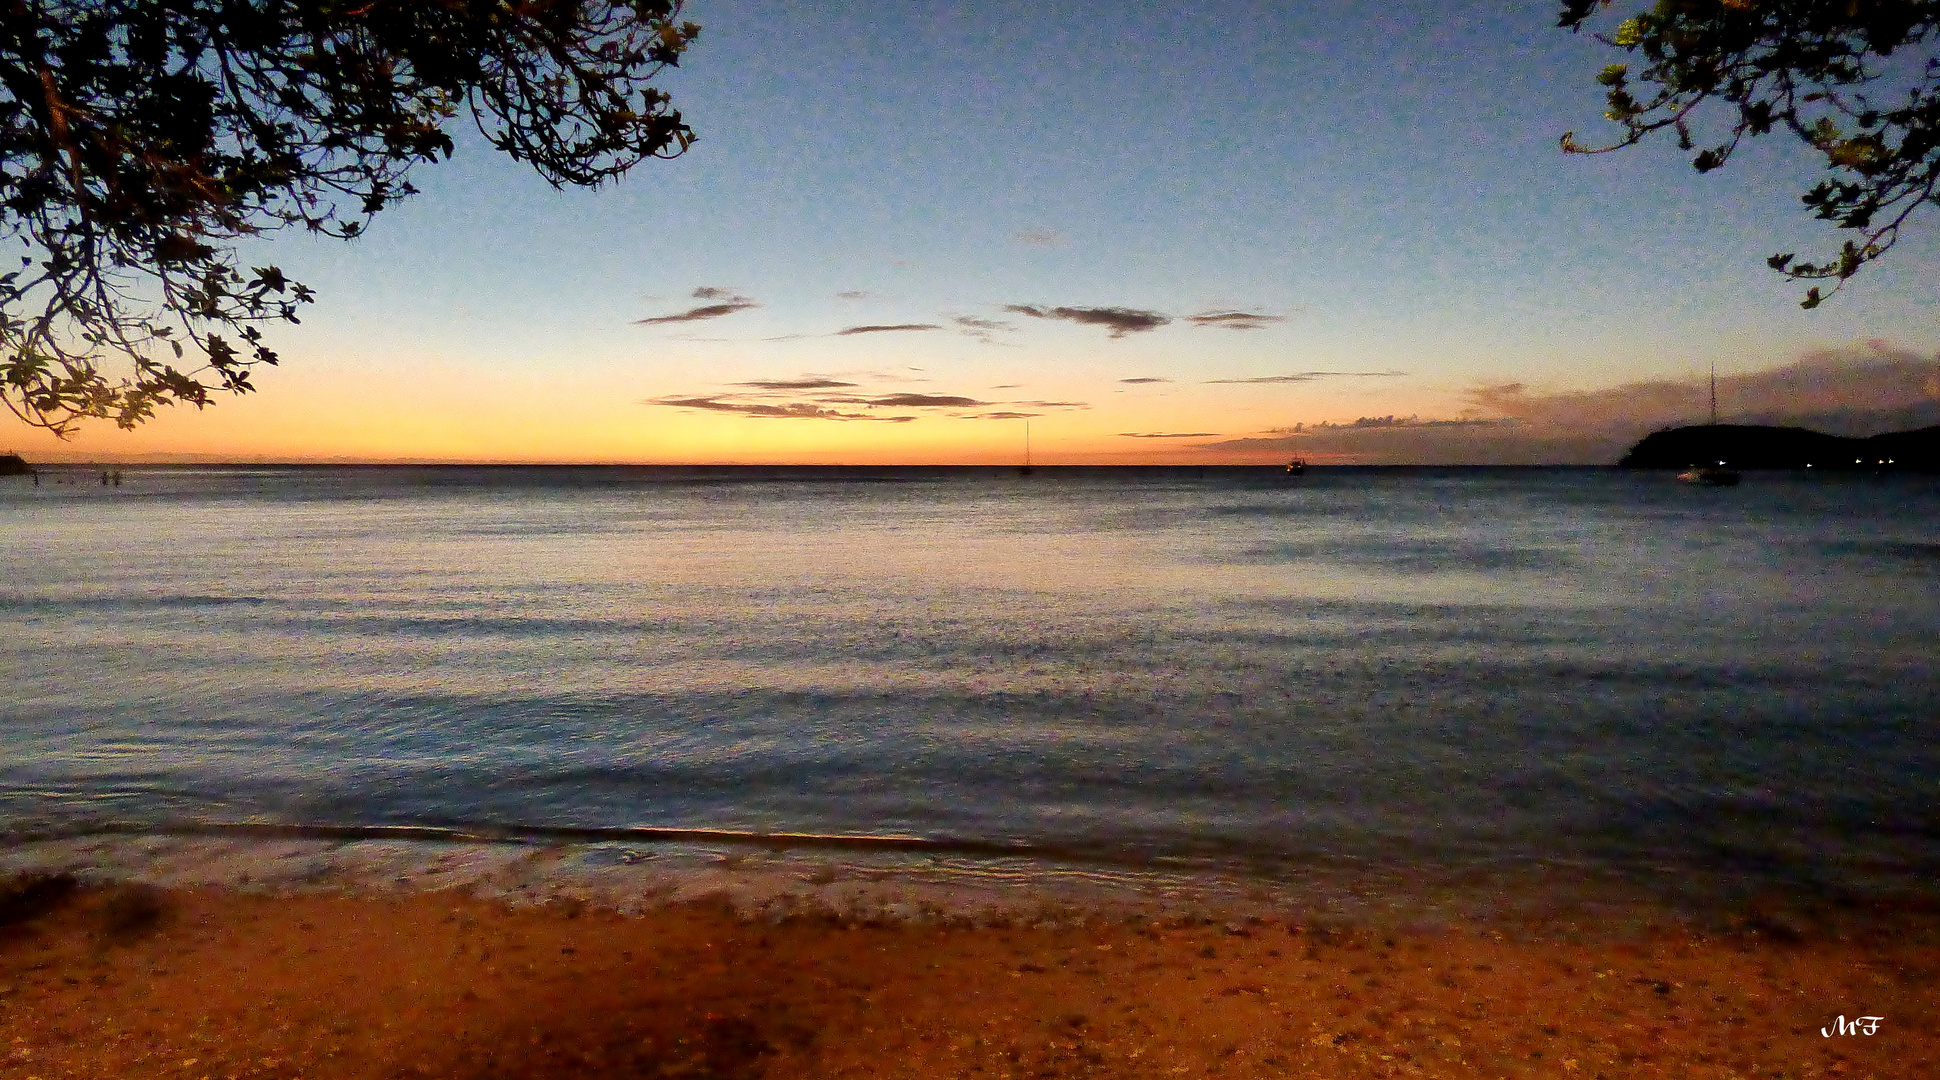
(128, 980)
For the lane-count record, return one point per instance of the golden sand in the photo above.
(132, 982)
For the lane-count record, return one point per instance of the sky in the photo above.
(1196, 233)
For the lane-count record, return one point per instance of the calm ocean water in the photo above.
(1224, 668)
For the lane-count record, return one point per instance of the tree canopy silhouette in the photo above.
(141, 139)
(1857, 80)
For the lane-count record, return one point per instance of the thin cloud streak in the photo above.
(914, 401)
(728, 302)
(1367, 423)
(884, 329)
(1306, 376)
(982, 330)
(706, 311)
(1145, 379)
(797, 384)
(841, 406)
(1234, 320)
(1167, 434)
(791, 411)
(1117, 321)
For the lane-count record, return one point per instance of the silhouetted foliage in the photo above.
(140, 139)
(1858, 80)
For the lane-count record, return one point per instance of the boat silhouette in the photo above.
(1711, 475)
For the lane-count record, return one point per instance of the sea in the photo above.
(1376, 681)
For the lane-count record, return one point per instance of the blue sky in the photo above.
(1382, 181)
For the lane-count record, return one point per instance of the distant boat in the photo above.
(1296, 467)
(1710, 475)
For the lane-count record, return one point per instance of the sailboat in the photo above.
(1025, 469)
(1711, 475)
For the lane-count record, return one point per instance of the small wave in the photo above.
(562, 834)
(1925, 555)
(123, 602)
(1409, 557)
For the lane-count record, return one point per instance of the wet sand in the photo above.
(131, 981)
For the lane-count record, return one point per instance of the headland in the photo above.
(1757, 446)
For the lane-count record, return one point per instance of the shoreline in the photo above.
(105, 975)
(905, 878)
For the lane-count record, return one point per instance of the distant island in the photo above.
(1755, 446)
(14, 465)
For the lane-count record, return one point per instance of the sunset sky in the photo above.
(1192, 233)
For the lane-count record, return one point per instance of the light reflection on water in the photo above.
(1374, 664)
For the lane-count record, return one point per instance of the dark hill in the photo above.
(14, 465)
(1918, 449)
(1750, 446)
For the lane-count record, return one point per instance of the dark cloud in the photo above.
(810, 383)
(819, 407)
(1144, 379)
(800, 410)
(1167, 434)
(1857, 390)
(1040, 238)
(853, 294)
(1117, 320)
(1234, 320)
(924, 401)
(881, 329)
(705, 311)
(729, 303)
(1306, 376)
(999, 416)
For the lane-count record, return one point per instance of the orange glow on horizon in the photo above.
(309, 417)
(437, 408)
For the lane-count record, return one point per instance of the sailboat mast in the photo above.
(1027, 443)
(1714, 393)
